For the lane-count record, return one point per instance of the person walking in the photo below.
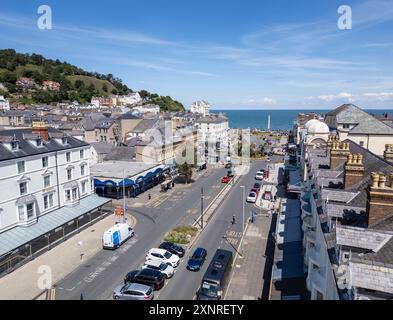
(233, 219)
(149, 196)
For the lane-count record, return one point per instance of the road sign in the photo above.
(119, 211)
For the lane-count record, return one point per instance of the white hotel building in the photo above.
(46, 191)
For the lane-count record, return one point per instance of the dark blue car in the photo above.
(197, 259)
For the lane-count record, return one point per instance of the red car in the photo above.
(225, 179)
(255, 190)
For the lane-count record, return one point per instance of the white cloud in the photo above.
(382, 96)
(262, 102)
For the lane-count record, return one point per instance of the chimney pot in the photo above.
(350, 159)
(374, 179)
(382, 181)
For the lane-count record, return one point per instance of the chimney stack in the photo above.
(388, 154)
(339, 153)
(353, 170)
(379, 198)
(40, 128)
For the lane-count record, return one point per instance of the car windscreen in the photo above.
(167, 255)
(209, 289)
(252, 195)
(163, 266)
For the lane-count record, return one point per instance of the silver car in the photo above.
(133, 291)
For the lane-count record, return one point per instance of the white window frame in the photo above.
(47, 178)
(26, 190)
(74, 194)
(65, 195)
(69, 174)
(68, 156)
(47, 162)
(24, 166)
(27, 213)
(82, 154)
(21, 213)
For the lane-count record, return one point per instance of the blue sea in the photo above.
(280, 119)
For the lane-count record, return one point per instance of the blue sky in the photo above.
(235, 54)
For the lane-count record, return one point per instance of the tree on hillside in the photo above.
(105, 88)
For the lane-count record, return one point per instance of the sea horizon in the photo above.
(280, 119)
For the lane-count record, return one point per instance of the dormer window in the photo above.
(38, 142)
(14, 145)
(64, 140)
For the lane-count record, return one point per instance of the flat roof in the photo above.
(118, 169)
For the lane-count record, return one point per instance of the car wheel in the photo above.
(116, 297)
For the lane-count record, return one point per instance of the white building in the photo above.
(4, 104)
(201, 107)
(351, 122)
(148, 108)
(129, 99)
(213, 137)
(46, 190)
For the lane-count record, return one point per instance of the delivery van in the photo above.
(116, 236)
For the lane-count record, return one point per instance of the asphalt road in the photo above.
(97, 277)
(219, 233)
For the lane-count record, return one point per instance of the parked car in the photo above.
(160, 266)
(257, 186)
(116, 236)
(163, 256)
(252, 197)
(230, 174)
(148, 277)
(173, 248)
(197, 259)
(259, 175)
(225, 179)
(133, 291)
(130, 275)
(228, 165)
(255, 190)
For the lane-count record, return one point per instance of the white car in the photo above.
(163, 256)
(160, 266)
(252, 197)
(259, 175)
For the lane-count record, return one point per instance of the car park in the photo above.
(173, 248)
(197, 259)
(252, 197)
(133, 291)
(148, 277)
(163, 256)
(165, 268)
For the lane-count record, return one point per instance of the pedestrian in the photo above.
(149, 196)
(81, 296)
(173, 184)
(233, 219)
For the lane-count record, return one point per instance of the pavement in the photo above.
(247, 280)
(26, 283)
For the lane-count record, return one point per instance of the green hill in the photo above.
(76, 84)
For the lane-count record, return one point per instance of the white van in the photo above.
(116, 236)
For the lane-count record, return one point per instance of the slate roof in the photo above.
(120, 153)
(365, 123)
(27, 149)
